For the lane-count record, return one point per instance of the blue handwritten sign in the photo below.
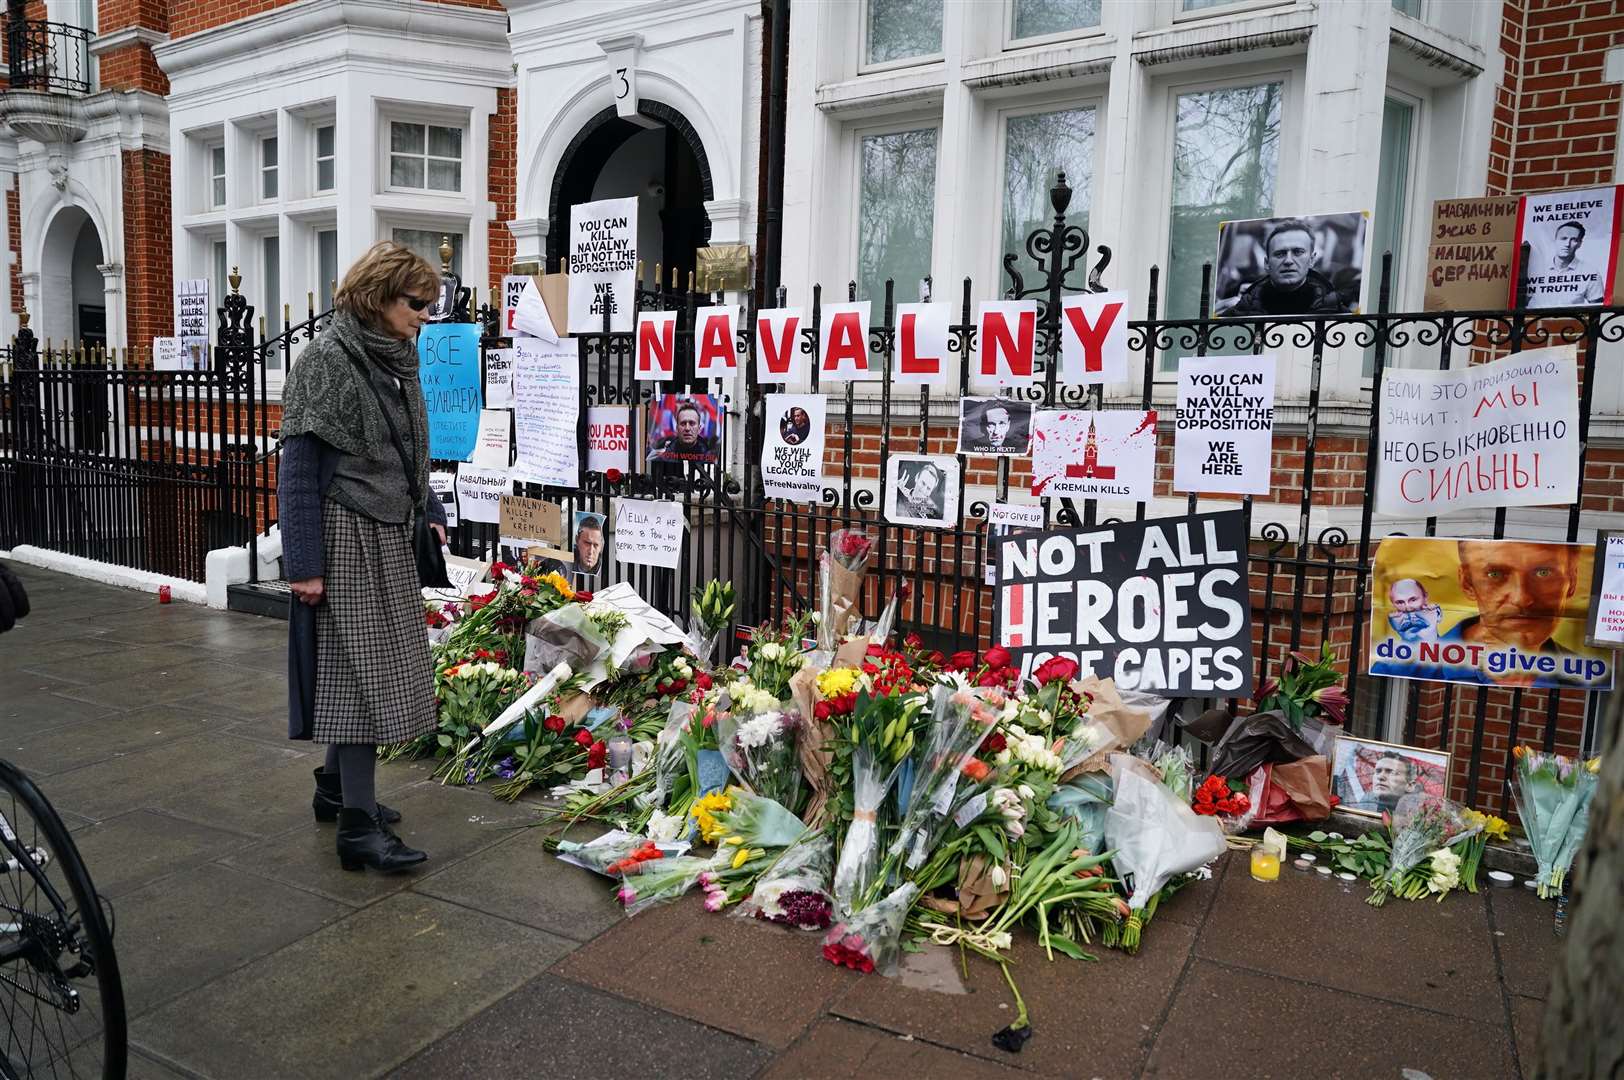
(450, 377)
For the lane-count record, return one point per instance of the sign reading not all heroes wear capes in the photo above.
(1158, 605)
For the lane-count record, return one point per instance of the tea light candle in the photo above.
(1302, 863)
(1310, 858)
(1323, 871)
(1500, 879)
(1265, 865)
(1348, 876)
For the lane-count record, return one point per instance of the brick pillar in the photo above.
(148, 255)
(504, 180)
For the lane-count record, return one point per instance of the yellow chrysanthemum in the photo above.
(837, 681)
(558, 581)
(704, 812)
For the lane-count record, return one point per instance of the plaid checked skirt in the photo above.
(374, 676)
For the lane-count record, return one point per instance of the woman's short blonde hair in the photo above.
(383, 275)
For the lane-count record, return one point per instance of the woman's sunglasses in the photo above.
(416, 303)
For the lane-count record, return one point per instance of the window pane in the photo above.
(267, 149)
(903, 28)
(326, 267)
(1411, 8)
(1034, 18)
(324, 174)
(1198, 5)
(273, 285)
(218, 191)
(1387, 223)
(221, 272)
(445, 175)
(1035, 149)
(1226, 156)
(406, 138)
(426, 242)
(217, 161)
(268, 183)
(405, 172)
(445, 142)
(897, 202)
(324, 141)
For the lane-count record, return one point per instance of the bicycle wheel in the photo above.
(61, 1002)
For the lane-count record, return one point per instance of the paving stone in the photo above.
(598, 1035)
(128, 851)
(1434, 955)
(1529, 948)
(837, 1049)
(265, 804)
(1527, 1021)
(29, 705)
(1117, 995)
(110, 664)
(150, 777)
(753, 979)
(59, 749)
(355, 998)
(1230, 1022)
(23, 649)
(147, 622)
(520, 879)
(229, 688)
(171, 938)
(247, 694)
(1190, 905)
(435, 819)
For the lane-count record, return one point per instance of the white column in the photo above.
(530, 239)
(113, 299)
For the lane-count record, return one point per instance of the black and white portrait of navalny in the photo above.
(998, 426)
(1308, 265)
(922, 490)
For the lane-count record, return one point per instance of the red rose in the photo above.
(1055, 668)
(996, 657)
(702, 680)
(822, 710)
(994, 743)
(553, 723)
(477, 602)
(584, 737)
(937, 658)
(913, 641)
(582, 596)
(613, 475)
(596, 755)
(962, 661)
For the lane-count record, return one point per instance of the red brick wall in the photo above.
(1555, 120)
(148, 254)
(14, 234)
(132, 68)
(193, 16)
(504, 180)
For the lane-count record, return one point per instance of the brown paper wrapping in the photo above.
(845, 596)
(977, 897)
(810, 741)
(1307, 783)
(574, 708)
(851, 653)
(1105, 707)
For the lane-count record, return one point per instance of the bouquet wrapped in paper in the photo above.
(860, 852)
(1421, 827)
(962, 718)
(870, 939)
(796, 889)
(1154, 834)
(712, 614)
(1109, 725)
(661, 881)
(1553, 799)
(841, 586)
(760, 749)
(617, 853)
(749, 831)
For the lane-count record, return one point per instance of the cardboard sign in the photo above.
(608, 438)
(192, 312)
(546, 410)
(1082, 454)
(1505, 433)
(1160, 605)
(444, 486)
(1471, 247)
(499, 379)
(649, 533)
(493, 448)
(169, 355)
(843, 343)
(1094, 338)
(792, 451)
(1606, 626)
(714, 331)
(778, 346)
(1223, 438)
(1006, 342)
(479, 494)
(603, 265)
(449, 373)
(1484, 612)
(530, 521)
(922, 345)
(1573, 239)
(656, 346)
(533, 313)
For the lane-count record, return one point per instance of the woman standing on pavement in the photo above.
(354, 463)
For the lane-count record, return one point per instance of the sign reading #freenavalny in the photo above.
(1158, 605)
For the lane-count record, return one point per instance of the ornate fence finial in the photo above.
(235, 279)
(445, 254)
(1060, 194)
(22, 319)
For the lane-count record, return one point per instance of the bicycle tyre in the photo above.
(94, 929)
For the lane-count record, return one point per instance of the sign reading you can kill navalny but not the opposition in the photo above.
(1159, 605)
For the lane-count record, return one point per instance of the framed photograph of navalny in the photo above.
(922, 490)
(995, 426)
(1308, 265)
(1370, 777)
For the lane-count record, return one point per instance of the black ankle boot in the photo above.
(329, 799)
(364, 841)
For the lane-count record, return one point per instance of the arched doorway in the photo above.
(73, 293)
(661, 162)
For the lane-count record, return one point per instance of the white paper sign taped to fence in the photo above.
(792, 452)
(192, 312)
(1573, 247)
(479, 494)
(778, 346)
(1505, 433)
(1082, 454)
(1223, 440)
(499, 378)
(546, 410)
(648, 532)
(923, 358)
(1162, 605)
(169, 355)
(608, 438)
(444, 486)
(1094, 338)
(603, 264)
(492, 446)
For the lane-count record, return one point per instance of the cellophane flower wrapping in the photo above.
(961, 719)
(859, 862)
(1553, 796)
(702, 642)
(797, 889)
(871, 939)
(841, 586)
(760, 749)
(663, 880)
(1421, 824)
(613, 853)
(1085, 799)
(1155, 835)
(670, 758)
(757, 821)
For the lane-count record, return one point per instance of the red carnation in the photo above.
(553, 723)
(613, 475)
(596, 755)
(703, 680)
(996, 657)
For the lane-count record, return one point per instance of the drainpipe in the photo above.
(773, 213)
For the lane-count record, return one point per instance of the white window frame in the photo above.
(1058, 101)
(452, 225)
(210, 148)
(864, 67)
(1227, 9)
(318, 228)
(263, 170)
(316, 128)
(904, 292)
(386, 128)
(1012, 42)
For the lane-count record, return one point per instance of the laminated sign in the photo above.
(1161, 605)
(1504, 433)
(603, 265)
(792, 451)
(450, 376)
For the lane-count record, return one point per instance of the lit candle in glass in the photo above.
(1265, 865)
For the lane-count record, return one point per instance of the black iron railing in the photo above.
(49, 56)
